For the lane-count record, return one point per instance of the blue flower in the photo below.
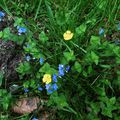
(54, 77)
(34, 118)
(21, 30)
(28, 57)
(101, 31)
(26, 90)
(49, 91)
(47, 86)
(40, 88)
(54, 87)
(41, 61)
(2, 14)
(67, 68)
(61, 70)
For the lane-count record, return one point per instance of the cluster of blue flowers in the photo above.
(51, 87)
(21, 30)
(2, 14)
(62, 70)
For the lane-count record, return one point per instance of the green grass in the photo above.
(90, 91)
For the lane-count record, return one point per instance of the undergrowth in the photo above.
(71, 52)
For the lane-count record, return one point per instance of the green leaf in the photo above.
(59, 100)
(60, 18)
(84, 73)
(107, 112)
(91, 21)
(81, 29)
(90, 69)
(24, 68)
(112, 100)
(78, 67)
(43, 37)
(1, 34)
(6, 33)
(95, 58)
(47, 69)
(101, 92)
(95, 41)
(95, 107)
(69, 56)
(18, 21)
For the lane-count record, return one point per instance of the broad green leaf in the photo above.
(6, 33)
(60, 18)
(43, 37)
(18, 21)
(107, 112)
(81, 29)
(47, 69)
(95, 107)
(1, 34)
(94, 57)
(84, 73)
(95, 40)
(101, 92)
(24, 68)
(69, 56)
(112, 100)
(78, 67)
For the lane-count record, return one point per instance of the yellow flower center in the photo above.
(68, 35)
(47, 78)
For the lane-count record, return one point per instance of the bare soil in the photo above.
(10, 56)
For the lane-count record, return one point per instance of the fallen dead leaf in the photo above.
(26, 105)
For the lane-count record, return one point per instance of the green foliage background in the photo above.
(90, 91)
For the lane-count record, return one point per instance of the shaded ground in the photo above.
(9, 56)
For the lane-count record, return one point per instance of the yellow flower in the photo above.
(68, 35)
(47, 78)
